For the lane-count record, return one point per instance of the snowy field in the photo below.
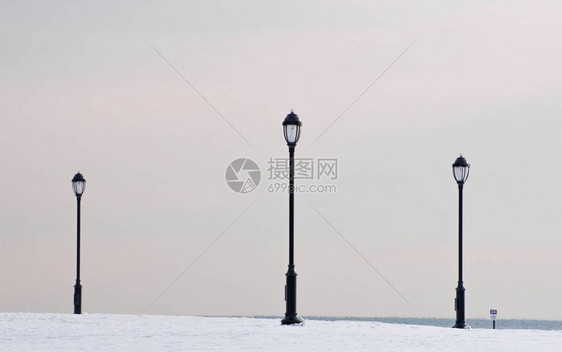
(103, 332)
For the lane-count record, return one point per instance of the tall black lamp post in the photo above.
(460, 171)
(292, 131)
(78, 185)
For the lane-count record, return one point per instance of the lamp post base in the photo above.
(77, 298)
(460, 323)
(291, 319)
(291, 316)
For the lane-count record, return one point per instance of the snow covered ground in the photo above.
(104, 332)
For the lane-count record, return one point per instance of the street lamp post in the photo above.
(460, 171)
(291, 130)
(78, 185)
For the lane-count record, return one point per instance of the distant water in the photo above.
(474, 323)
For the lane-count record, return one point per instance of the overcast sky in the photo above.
(90, 86)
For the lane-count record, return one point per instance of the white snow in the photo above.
(104, 332)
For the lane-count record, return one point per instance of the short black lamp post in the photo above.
(460, 171)
(292, 131)
(78, 185)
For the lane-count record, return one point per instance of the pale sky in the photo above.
(82, 89)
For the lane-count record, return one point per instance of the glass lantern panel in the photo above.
(291, 133)
(79, 187)
(459, 173)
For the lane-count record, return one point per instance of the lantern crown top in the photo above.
(78, 177)
(461, 161)
(292, 119)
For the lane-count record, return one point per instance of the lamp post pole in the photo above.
(460, 322)
(460, 172)
(78, 286)
(291, 127)
(78, 185)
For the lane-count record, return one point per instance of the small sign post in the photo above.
(493, 316)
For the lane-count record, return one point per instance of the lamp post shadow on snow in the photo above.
(460, 171)
(291, 130)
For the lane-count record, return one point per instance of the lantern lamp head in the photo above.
(460, 170)
(292, 129)
(78, 184)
